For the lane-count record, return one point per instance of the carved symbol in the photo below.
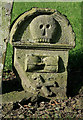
(42, 85)
(43, 28)
(36, 63)
(51, 64)
(31, 62)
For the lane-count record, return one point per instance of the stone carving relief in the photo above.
(41, 51)
(43, 29)
(41, 63)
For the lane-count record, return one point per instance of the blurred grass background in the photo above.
(72, 10)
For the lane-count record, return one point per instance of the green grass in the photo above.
(73, 12)
(8, 60)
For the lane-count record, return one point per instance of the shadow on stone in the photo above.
(61, 65)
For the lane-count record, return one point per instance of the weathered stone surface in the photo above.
(41, 39)
(15, 96)
(32, 79)
(31, 62)
(43, 29)
(1, 65)
(65, 34)
(5, 16)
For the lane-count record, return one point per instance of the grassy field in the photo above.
(73, 12)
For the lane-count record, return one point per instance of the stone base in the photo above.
(16, 96)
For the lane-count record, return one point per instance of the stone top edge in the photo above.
(43, 45)
(44, 9)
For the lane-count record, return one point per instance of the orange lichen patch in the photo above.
(53, 102)
(56, 102)
(26, 106)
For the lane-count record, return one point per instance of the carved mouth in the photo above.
(42, 40)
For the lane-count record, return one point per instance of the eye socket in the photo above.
(41, 26)
(47, 26)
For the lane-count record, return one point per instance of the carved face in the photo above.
(43, 28)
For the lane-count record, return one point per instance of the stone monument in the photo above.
(41, 39)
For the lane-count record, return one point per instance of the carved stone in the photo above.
(41, 39)
(43, 29)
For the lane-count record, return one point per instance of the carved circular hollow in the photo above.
(41, 26)
(48, 26)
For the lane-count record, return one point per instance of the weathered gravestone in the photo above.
(5, 16)
(41, 39)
